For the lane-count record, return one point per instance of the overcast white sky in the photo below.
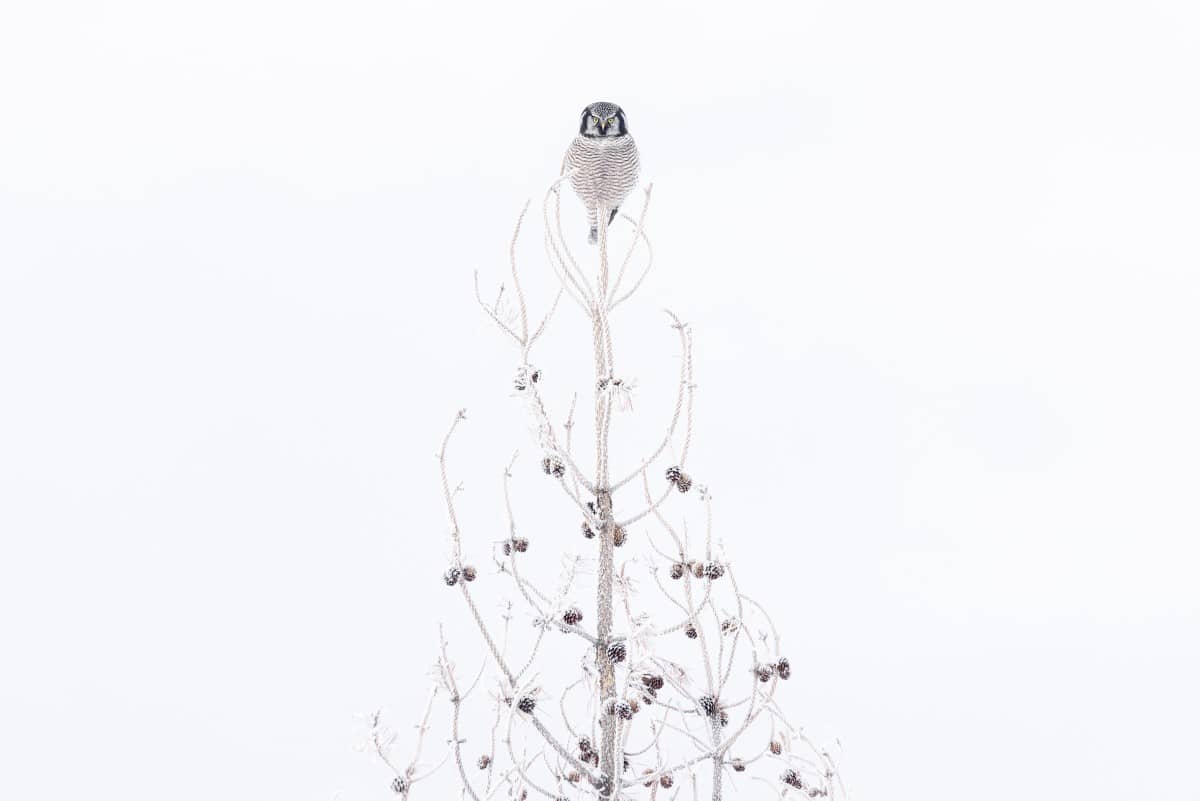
(941, 263)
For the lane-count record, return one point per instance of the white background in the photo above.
(940, 260)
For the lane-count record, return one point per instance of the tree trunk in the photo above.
(610, 760)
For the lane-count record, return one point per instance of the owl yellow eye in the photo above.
(596, 120)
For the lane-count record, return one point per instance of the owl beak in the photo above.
(603, 126)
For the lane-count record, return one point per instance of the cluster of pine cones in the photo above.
(664, 780)
(553, 466)
(454, 573)
(792, 779)
(712, 708)
(622, 708)
(701, 570)
(651, 684)
(681, 480)
(587, 754)
(518, 544)
(526, 703)
(767, 670)
(626, 708)
(525, 377)
(619, 533)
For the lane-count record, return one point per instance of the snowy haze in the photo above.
(939, 258)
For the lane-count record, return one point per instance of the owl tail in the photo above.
(594, 229)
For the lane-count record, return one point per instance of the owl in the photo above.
(607, 162)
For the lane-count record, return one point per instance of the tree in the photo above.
(662, 706)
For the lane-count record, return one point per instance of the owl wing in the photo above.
(583, 156)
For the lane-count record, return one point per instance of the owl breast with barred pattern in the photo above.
(605, 159)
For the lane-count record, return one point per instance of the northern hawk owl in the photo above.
(606, 160)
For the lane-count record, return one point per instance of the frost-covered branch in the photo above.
(680, 698)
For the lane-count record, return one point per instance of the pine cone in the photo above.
(666, 781)
(399, 785)
(776, 748)
(691, 632)
(520, 544)
(792, 778)
(484, 761)
(585, 746)
(572, 616)
(652, 681)
(784, 667)
(729, 626)
(709, 704)
(697, 569)
(451, 576)
(724, 718)
(634, 705)
(553, 466)
(714, 570)
(618, 536)
(677, 570)
(684, 483)
(674, 474)
(765, 672)
(738, 764)
(468, 573)
(647, 772)
(620, 707)
(526, 704)
(616, 652)
(588, 534)
(573, 777)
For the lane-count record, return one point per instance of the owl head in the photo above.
(602, 119)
